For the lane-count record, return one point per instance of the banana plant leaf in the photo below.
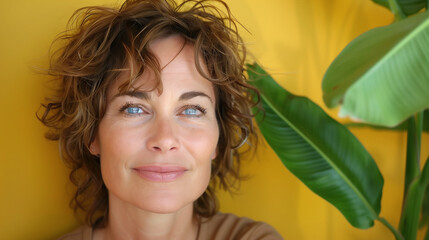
(321, 152)
(425, 209)
(408, 7)
(382, 76)
(409, 222)
(401, 127)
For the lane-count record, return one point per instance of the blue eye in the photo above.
(191, 111)
(134, 110)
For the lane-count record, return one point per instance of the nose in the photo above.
(162, 137)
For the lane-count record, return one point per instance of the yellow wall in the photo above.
(294, 39)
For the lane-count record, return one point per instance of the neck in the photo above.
(129, 222)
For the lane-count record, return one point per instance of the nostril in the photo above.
(156, 148)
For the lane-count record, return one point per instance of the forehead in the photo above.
(171, 48)
(176, 59)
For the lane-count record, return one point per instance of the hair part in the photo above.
(103, 42)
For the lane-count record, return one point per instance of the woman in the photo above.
(151, 108)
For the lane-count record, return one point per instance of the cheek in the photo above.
(203, 144)
(202, 179)
(117, 146)
(206, 176)
(204, 152)
(117, 140)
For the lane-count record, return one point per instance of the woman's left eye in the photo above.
(193, 111)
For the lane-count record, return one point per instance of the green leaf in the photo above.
(409, 222)
(321, 152)
(409, 7)
(425, 209)
(414, 137)
(393, 5)
(401, 127)
(382, 76)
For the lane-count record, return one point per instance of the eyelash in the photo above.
(188, 106)
(196, 107)
(128, 105)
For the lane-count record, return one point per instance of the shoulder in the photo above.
(229, 226)
(82, 233)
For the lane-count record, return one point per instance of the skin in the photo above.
(175, 128)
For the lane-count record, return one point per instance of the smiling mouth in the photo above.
(160, 173)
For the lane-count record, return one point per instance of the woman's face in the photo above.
(156, 149)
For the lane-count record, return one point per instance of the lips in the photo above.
(160, 173)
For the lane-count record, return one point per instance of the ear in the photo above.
(94, 147)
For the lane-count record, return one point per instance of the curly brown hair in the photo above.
(85, 68)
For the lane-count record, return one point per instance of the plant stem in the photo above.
(395, 232)
(412, 170)
(409, 222)
(414, 183)
(396, 9)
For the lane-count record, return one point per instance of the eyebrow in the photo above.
(192, 94)
(146, 96)
(136, 94)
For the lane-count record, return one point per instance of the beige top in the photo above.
(219, 227)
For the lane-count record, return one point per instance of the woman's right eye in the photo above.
(132, 109)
